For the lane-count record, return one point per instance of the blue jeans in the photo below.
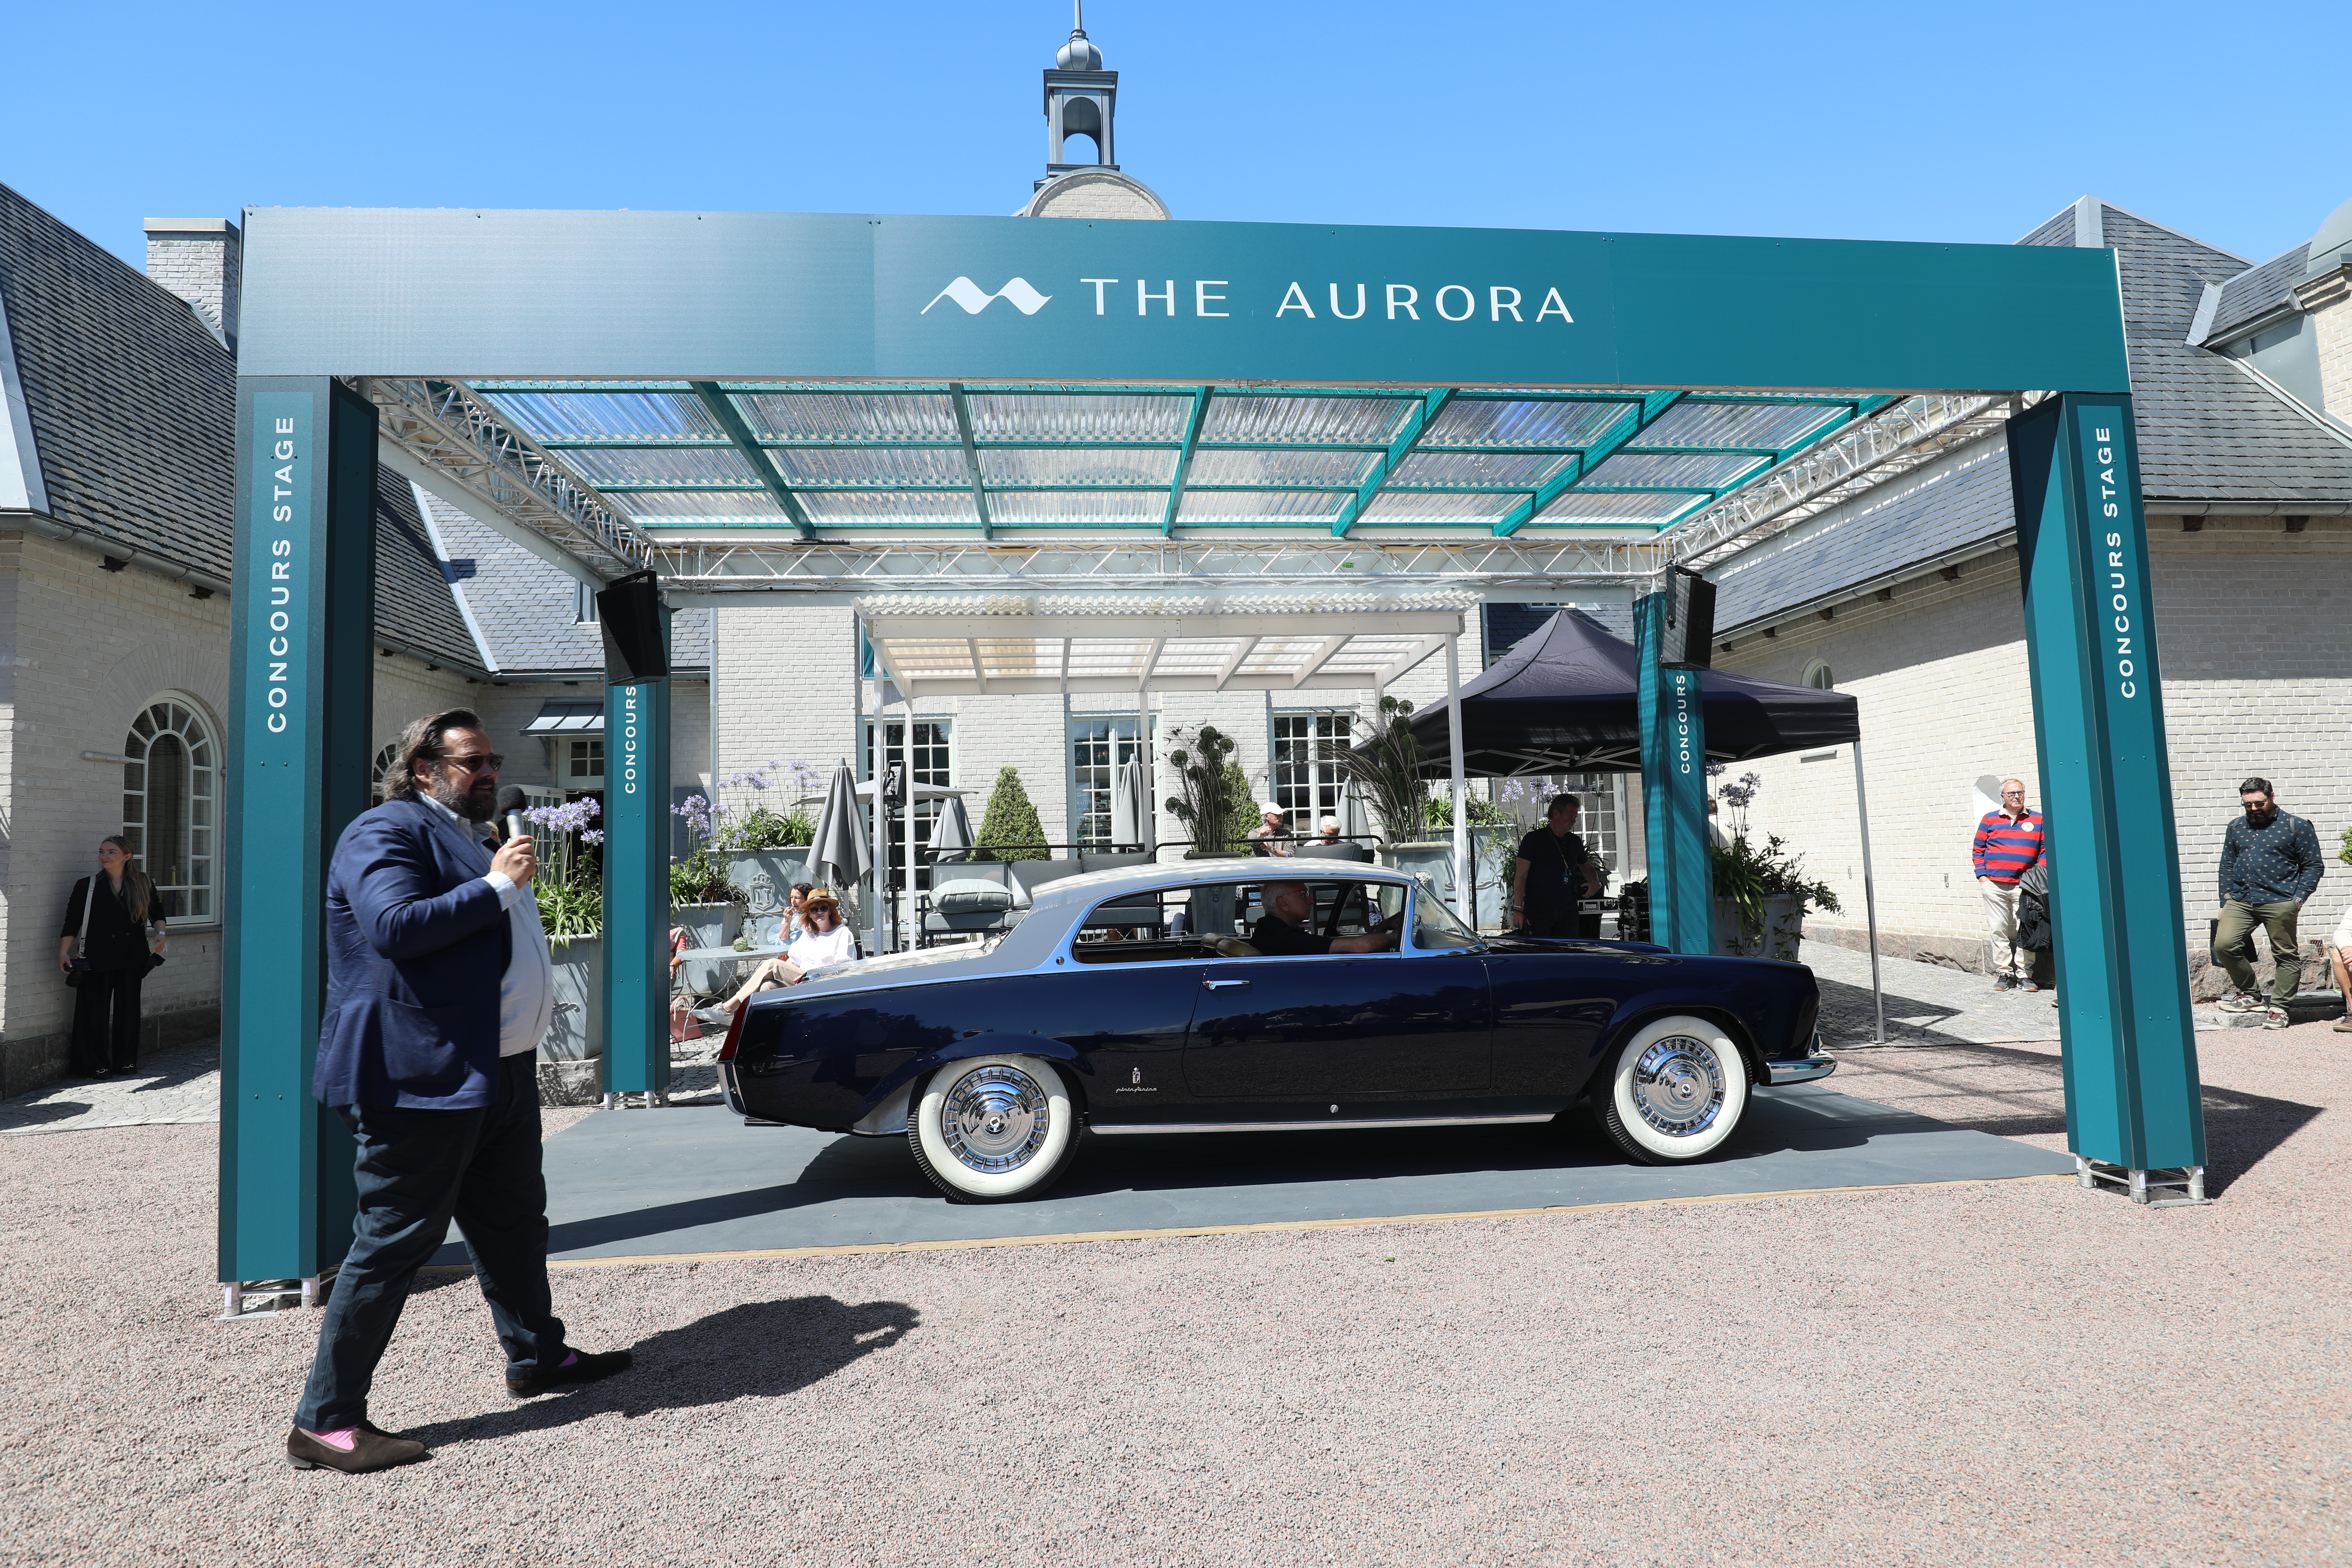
(417, 1171)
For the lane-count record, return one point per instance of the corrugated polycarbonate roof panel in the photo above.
(880, 508)
(876, 417)
(1054, 507)
(687, 508)
(888, 467)
(1533, 422)
(607, 415)
(1076, 417)
(1260, 506)
(660, 466)
(1244, 467)
(1621, 509)
(1438, 506)
(1306, 421)
(1518, 470)
(1154, 465)
(1702, 472)
(1777, 425)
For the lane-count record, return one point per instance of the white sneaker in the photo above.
(714, 1014)
(2275, 1018)
(2242, 1002)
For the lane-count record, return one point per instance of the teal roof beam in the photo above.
(1184, 462)
(729, 418)
(971, 457)
(1636, 419)
(1432, 403)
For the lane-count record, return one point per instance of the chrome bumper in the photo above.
(1803, 1069)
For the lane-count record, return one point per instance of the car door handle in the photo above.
(1227, 984)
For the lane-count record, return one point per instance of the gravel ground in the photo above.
(2005, 1372)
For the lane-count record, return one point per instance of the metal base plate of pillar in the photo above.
(633, 1100)
(2183, 1186)
(246, 1298)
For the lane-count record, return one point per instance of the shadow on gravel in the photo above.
(757, 1351)
(2241, 1129)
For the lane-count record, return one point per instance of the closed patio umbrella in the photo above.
(838, 849)
(1131, 806)
(951, 834)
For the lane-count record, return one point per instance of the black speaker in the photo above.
(1690, 620)
(636, 639)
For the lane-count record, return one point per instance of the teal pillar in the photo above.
(1673, 790)
(637, 886)
(2130, 1051)
(300, 721)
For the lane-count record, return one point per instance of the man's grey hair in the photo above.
(421, 742)
(1271, 888)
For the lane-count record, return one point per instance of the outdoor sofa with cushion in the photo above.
(983, 897)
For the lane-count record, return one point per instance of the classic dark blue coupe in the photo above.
(1159, 999)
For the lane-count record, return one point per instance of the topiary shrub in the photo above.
(1009, 826)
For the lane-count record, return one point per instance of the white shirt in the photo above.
(812, 949)
(527, 990)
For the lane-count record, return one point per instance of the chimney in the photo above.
(199, 259)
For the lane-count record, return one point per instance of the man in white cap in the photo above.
(1271, 835)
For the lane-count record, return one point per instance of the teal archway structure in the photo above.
(840, 406)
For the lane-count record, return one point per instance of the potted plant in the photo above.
(572, 913)
(1009, 829)
(1387, 772)
(1214, 794)
(752, 842)
(1761, 898)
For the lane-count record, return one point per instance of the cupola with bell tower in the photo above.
(1081, 104)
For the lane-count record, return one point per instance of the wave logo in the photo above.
(967, 293)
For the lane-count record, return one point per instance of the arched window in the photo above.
(170, 804)
(1818, 677)
(384, 760)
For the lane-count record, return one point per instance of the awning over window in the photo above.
(568, 716)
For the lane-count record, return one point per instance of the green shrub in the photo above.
(1009, 823)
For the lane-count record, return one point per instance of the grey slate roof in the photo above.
(525, 605)
(2209, 432)
(1942, 509)
(133, 404)
(2257, 291)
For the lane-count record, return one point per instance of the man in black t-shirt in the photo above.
(1282, 932)
(1551, 873)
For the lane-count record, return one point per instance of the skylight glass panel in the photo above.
(883, 416)
(1577, 506)
(1260, 506)
(1078, 465)
(670, 466)
(1779, 425)
(1708, 472)
(1049, 508)
(881, 508)
(688, 508)
(1249, 468)
(924, 467)
(1510, 422)
(1412, 506)
(1523, 469)
(1307, 421)
(1076, 417)
(607, 415)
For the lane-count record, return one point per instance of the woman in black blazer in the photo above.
(120, 953)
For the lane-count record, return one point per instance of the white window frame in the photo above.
(569, 750)
(935, 764)
(196, 900)
(1125, 744)
(1323, 791)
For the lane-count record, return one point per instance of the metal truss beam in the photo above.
(1898, 438)
(1481, 565)
(444, 426)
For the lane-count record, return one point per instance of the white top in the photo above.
(811, 950)
(527, 990)
(2343, 937)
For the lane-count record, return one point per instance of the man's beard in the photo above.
(2260, 815)
(473, 804)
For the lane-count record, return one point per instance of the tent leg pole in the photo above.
(1464, 896)
(1869, 893)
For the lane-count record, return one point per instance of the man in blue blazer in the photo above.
(438, 991)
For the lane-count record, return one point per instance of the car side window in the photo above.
(1436, 928)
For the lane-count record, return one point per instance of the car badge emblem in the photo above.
(975, 300)
(1135, 1075)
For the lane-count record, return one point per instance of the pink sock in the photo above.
(346, 1439)
(568, 1360)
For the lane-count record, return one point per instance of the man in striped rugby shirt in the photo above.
(2009, 841)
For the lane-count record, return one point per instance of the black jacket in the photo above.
(115, 941)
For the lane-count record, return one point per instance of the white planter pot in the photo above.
(712, 925)
(577, 1033)
(1784, 928)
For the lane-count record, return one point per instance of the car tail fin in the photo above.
(734, 1033)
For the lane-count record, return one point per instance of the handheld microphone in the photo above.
(510, 799)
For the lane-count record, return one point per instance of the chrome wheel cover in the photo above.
(1678, 1085)
(995, 1119)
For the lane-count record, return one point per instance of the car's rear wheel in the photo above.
(994, 1129)
(1676, 1092)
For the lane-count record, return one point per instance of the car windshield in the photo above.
(1436, 927)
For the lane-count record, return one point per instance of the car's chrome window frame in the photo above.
(1409, 948)
(1066, 951)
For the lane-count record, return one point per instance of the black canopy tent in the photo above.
(1564, 701)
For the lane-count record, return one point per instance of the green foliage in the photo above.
(1437, 811)
(1745, 877)
(1009, 823)
(1212, 799)
(700, 878)
(761, 828)
(1387, 772)
(575, 907)
(2344, 849)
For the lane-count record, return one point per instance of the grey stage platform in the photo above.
(634, 1183)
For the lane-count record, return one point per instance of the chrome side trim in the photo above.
(1804, 1070)
(1356, 1126)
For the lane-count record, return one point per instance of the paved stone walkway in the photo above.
(1926, 1003)
(171, 1086)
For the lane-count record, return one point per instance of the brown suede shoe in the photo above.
(371, 1450)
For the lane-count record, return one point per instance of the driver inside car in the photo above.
(1282, 932)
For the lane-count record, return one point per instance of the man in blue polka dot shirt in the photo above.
(2270, 865)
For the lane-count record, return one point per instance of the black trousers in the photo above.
(106, 1020)
(417, 1171)
(1549, 922)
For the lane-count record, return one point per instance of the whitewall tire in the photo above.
(992, 1129)
(1676, 1092)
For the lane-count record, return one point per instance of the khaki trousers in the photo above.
(2233, 947)
(2001, 930)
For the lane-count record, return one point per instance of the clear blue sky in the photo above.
(1952, 122)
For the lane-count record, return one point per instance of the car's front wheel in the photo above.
(1678, 1091)
(994, 1129)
